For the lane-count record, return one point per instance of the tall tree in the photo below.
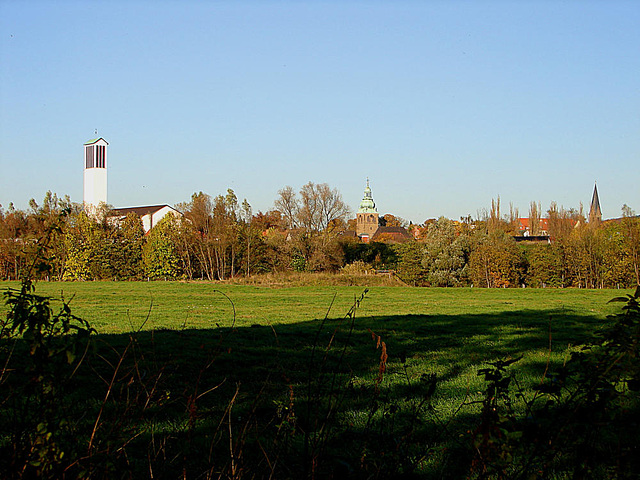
(585, 250)
(409, 267)
(198, 220)
(223, 232)
(333, 210)
(631, 230)
(159, 254)
(494, 220)
(389, 220)
(48, 220)
(129, 240)
(544, 266)
(444, 256)
(247, 218)
(513, 221)
(317, 209)
(310, 210)
(13, 231)
(83, 242)
(561, 222)
(184, 238)
(534, 219)
(618, 268)
(287, 204)
(495, 261)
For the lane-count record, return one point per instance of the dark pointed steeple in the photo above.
(595, 213)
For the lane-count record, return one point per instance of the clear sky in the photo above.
(444, 105)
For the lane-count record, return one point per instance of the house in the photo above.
(525, 227)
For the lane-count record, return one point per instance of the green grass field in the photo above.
(276, 349)
(119, 307)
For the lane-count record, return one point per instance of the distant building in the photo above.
(370, 227)
(95, 174)
(149, 215)
(525, 228)
(542, 236)
(367, 222)
(595, 213)
(532, 239)
(392, 235)
(95, 189)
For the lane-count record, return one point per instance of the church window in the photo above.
(89, 157)
(100, 156)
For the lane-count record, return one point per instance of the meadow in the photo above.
(319, 378)
(120, 307)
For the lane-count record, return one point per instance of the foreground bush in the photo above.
(581, 422)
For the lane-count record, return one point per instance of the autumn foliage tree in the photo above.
(630, 227)
(313, 217)
(444, 254)
(219, 238)
(159, 254)
(495, 261)
(13, 231)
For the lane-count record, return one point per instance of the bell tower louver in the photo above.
(95, 173)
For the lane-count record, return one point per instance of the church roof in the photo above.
(367, 205)
(543, 223)
(141, 211)
(595, 200)
(392, 235)
(595, 213)
(95, 140)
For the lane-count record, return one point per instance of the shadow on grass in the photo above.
(370, 397)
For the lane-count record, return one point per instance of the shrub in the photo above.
(357, 268)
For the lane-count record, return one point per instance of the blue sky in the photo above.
(444, 105)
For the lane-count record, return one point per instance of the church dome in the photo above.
(367, 205)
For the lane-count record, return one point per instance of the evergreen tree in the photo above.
(409, 267)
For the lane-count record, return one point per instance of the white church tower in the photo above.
(95, 173)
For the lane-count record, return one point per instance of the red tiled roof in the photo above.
(524, 223)
(398, 234)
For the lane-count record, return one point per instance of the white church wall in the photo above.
(160, 214)
(95, 186)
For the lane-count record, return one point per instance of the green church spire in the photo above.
(367, 205)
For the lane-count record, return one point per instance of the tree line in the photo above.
(218, 238)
